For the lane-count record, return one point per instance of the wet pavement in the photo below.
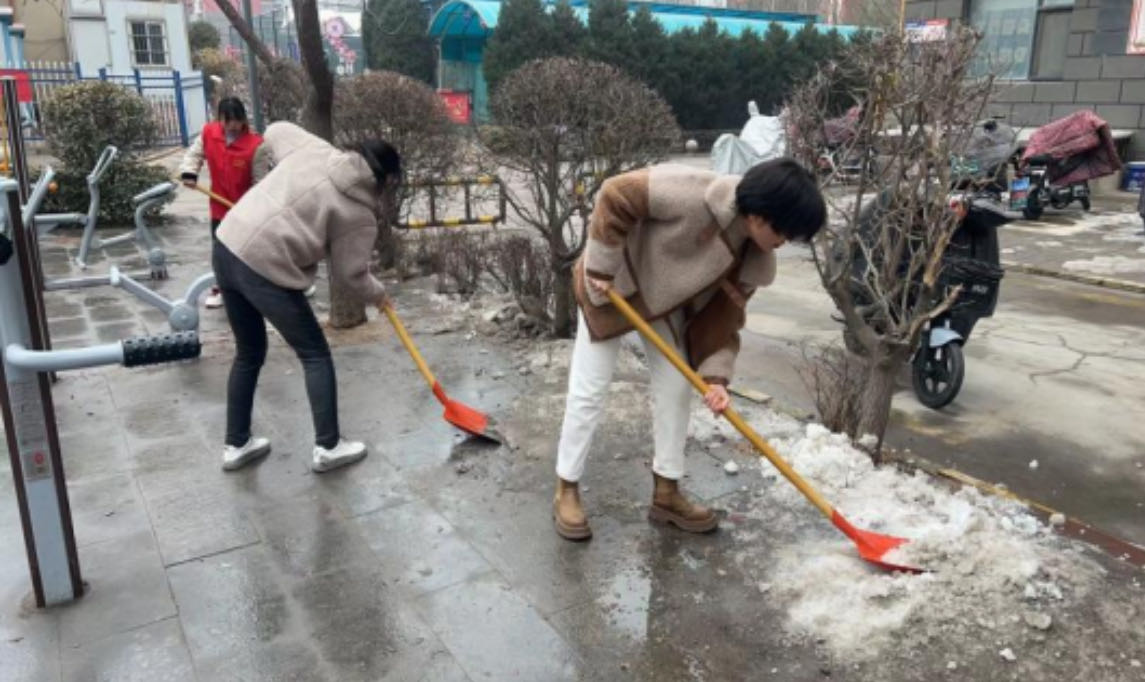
(434, 558)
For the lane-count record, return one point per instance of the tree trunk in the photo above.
(346, 310)
(564, 303)
(875, 405)
(318, 117)
(387, 241)
(318, 114)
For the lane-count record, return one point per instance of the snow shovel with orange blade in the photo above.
(872, 546)
(462, 416)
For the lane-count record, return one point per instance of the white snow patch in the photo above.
(988, 558)
(1107, 265)
(1049, 244)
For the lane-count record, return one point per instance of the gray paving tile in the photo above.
(495, 634)
(418, 550)
(127, 588)
(309, 537)
(106, 508)
(29, 638)
(153, 653)
(362, 630)
(279, 661)
(196, 519)
(233, 605)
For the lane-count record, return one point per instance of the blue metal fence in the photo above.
(165, 93)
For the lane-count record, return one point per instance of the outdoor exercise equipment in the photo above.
(46, 222)
(872, 546)
(183, 313)
(28, 411)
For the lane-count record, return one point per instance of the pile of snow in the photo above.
(1107, 265)
(993, 568)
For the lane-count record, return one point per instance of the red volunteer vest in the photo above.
(230, 165)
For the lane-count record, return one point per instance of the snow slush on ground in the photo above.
(993, 569)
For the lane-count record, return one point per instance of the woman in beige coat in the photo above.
(316, 201)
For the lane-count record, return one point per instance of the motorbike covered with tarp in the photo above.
(983, 163)
(761, 139)
(1059, 161)
(840, 151)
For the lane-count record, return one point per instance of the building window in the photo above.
(148, 43)
(1137, 29)
(1021, 38)
(1050, 46)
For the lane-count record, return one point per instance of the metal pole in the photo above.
(252, 74)
(20, 173)
(30, 428)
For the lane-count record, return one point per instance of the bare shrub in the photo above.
(563, 127)
(834, 379)
(520, 265)
(459, 260)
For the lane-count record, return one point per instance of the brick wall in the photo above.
(1098, 74)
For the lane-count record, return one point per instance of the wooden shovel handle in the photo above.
(225, 202)
(730, 414)
(408, 343)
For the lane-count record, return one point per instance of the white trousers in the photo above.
(590, 374)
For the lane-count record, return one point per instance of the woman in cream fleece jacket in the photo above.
(317, 201)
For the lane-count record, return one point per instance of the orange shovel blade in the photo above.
(873, 546)
(466, 418)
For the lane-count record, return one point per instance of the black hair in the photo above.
(382, 159)
(786, 195)
(232, 109)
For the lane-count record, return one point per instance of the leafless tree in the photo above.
(562, 127)
(881, 256)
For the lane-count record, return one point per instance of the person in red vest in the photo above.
(228, 145)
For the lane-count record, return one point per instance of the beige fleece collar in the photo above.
(720, 196)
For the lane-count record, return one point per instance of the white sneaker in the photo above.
(311, 291)
(236, 458)
(214, 299)
(346, 452)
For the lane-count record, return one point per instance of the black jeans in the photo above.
(250, 299)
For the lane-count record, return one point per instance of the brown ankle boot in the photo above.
(670, 506)
(568, 515)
